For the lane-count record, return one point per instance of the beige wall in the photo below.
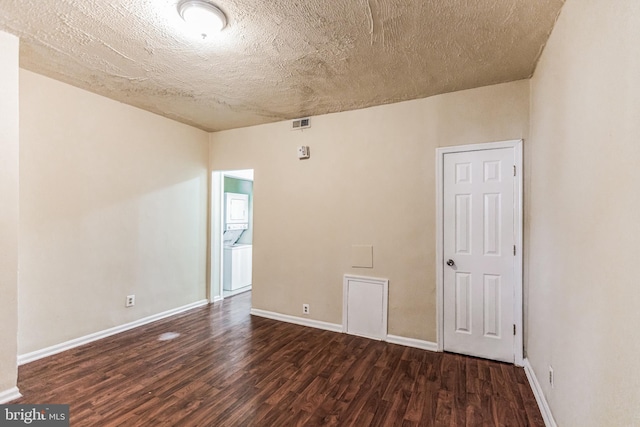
(113, 202)
(370, 180)
(584, 296)
(8, 209)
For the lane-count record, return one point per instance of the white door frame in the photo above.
(215, 227)
(518, 223)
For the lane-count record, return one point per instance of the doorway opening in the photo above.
(231, 233)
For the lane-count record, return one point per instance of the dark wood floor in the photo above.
(230, 369)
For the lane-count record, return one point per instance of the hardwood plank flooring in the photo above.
(227, 368)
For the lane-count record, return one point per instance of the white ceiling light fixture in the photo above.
(202, 16)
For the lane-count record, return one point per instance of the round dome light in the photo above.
(202, 16)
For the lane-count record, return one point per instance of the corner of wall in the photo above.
(9, 178)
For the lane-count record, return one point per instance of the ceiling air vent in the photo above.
(301, 124)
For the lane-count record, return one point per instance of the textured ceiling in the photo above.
(279, 59)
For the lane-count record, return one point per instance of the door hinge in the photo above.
(514, 250)
(514, 170)
(514, 329)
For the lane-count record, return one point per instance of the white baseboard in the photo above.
(216, 299)
(412, 342)
(58, 348)
(9, 395)
(547, 416)
(333, 327)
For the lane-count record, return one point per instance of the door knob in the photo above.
(450, 263)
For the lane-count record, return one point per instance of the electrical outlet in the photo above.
(131, 301)
(551, 379)
(305, 308)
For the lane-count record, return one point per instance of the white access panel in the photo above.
(365, 306)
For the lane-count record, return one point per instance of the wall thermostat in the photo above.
(303, 152)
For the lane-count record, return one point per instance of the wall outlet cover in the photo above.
(130, 301)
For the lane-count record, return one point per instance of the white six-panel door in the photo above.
(478, 253)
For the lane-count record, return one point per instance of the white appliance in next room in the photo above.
(237, 258)
(236, 217)
(237, 267)
(236, 211)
